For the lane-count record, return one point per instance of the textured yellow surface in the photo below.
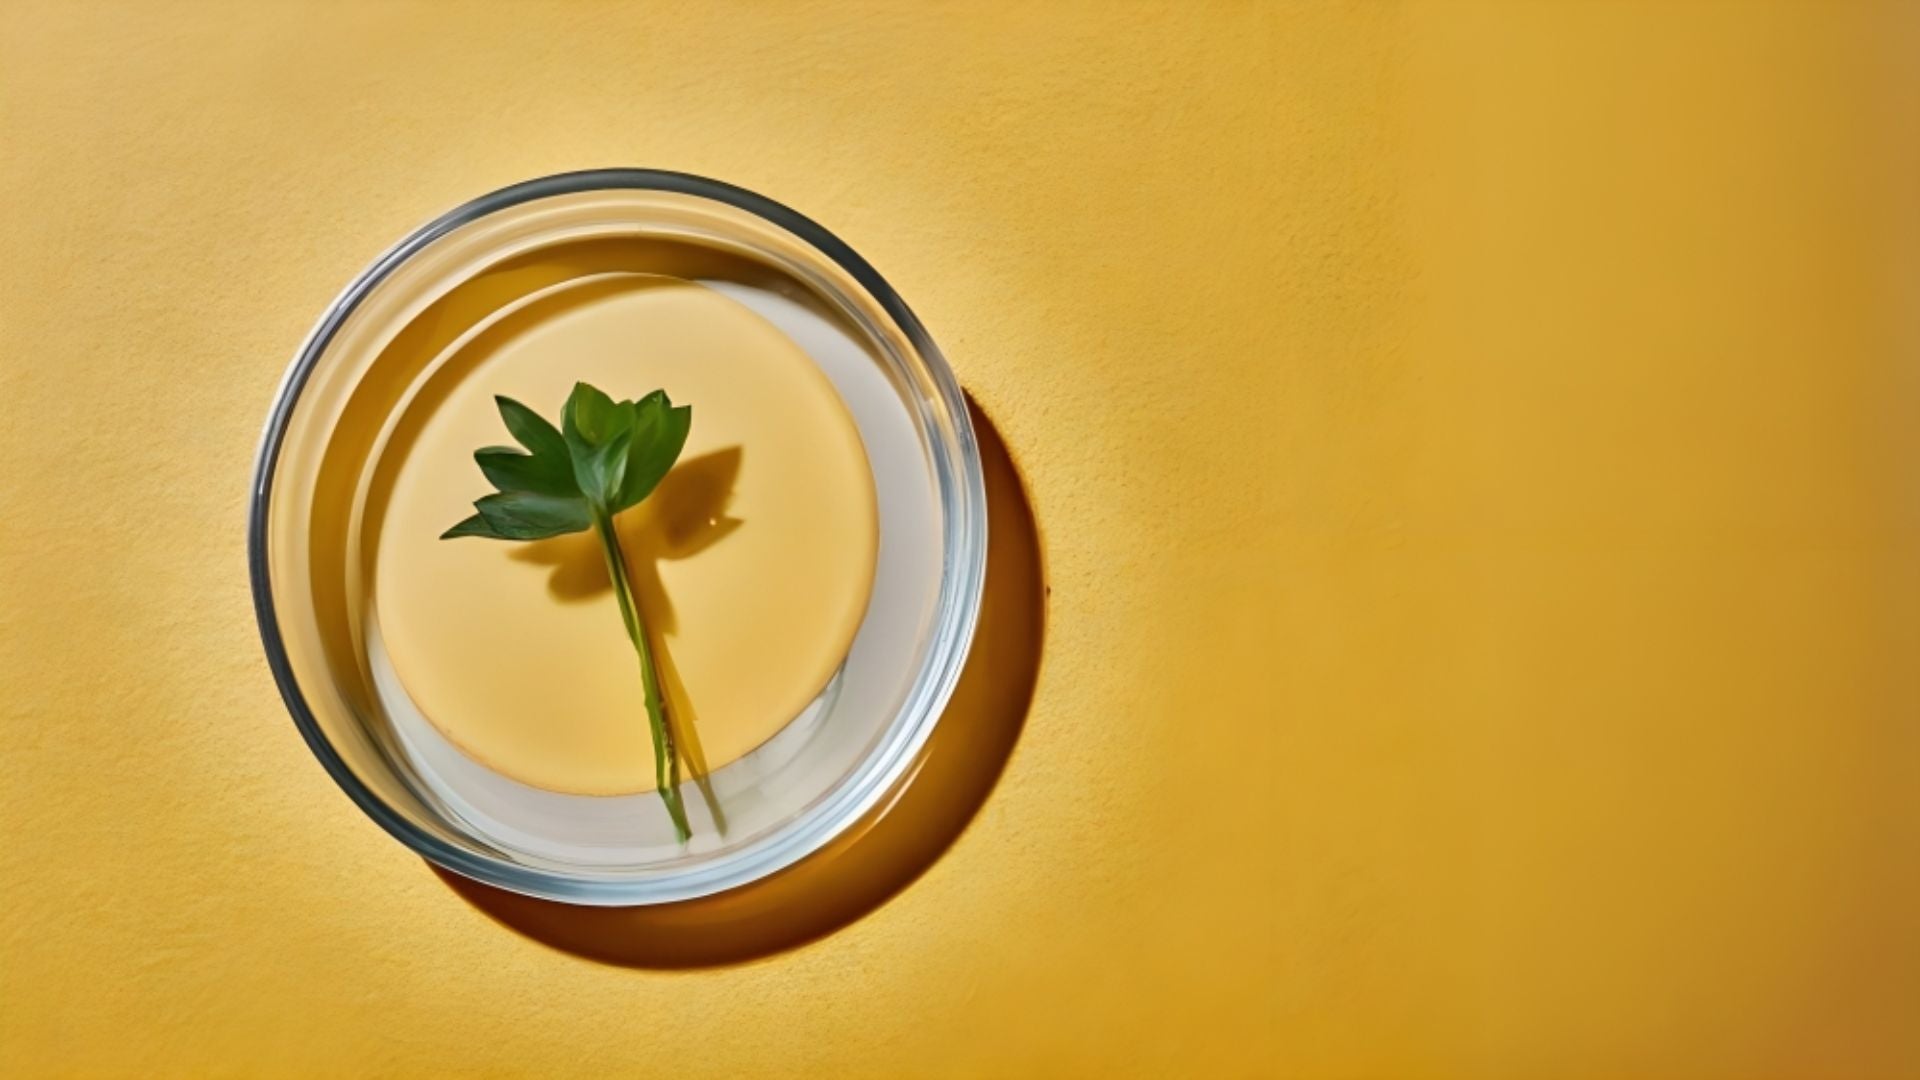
(1476, 452)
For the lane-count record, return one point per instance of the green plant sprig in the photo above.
(605, 457)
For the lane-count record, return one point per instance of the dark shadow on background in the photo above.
(894, 844)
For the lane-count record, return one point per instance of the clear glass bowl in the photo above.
(309, 556)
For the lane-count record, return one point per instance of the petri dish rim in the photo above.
(957, 471)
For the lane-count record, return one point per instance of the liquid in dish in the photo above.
(753, 560)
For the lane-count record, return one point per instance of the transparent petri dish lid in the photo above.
(311, 546)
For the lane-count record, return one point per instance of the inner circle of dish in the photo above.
(754, 559)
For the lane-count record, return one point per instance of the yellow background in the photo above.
(1477, 451)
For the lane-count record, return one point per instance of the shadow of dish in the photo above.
(893, 845)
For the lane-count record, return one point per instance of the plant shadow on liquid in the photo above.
(895, 843)
(685, 515)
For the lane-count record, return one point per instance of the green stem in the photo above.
(666, 758)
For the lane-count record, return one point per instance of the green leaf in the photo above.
(590, 415)
(607, 468)
(543, 474)
(522, 515)
(587, 421)
(659, 435)
(473, 526)
(531, 430)
(605, 456)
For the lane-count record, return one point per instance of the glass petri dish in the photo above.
(332, 429)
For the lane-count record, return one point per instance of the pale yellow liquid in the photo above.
(753, 561)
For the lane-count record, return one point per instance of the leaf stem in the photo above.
(666, 757)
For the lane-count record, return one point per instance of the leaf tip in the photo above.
(471, 526)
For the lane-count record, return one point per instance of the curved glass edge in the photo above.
(963, 579)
